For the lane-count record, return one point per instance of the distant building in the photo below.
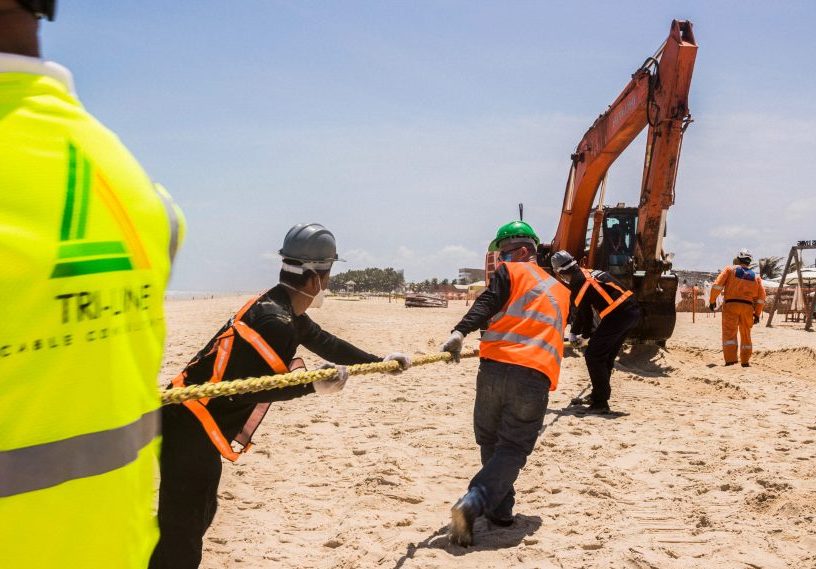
(467, 276)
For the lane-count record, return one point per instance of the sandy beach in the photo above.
(713, 466)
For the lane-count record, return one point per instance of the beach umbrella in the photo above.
(808, 277)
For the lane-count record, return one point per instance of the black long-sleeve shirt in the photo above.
(487, 304)
(582, 315)
(273, 318)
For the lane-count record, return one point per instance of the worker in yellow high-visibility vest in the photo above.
(86, 245)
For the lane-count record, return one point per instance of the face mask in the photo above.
(317, 299)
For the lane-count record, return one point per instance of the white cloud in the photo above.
(733, 231)
(688, 254)
(801, 209)
(359, 258)
(442, 263)
(405, 253)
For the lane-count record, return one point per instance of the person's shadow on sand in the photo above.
(646, 360)
(486, 536)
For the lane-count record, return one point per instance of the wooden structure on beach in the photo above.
(424, 300)
(795, 253)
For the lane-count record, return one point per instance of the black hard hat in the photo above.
(311, 244)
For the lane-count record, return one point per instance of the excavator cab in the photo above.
(618, 243)
(612, 237)
(610, 240)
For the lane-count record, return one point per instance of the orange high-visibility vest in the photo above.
(529, 330)
(223, 348)
(611, 304)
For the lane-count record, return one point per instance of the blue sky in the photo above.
(412, 129)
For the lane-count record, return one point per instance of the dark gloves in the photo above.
(756, 319)
(712, 307)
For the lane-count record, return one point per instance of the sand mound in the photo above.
(798, 361)
(649, 361)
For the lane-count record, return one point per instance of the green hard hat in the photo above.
(518, 229)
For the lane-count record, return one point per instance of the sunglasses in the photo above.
(508, 254)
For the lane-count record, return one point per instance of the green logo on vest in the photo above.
(86, 252)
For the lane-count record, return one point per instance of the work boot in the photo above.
(730, 363)
(746, 364)
(463, 513)
(597, 409)
(502, 515)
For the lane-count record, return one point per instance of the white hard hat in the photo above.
(562, 261)
(746, 256)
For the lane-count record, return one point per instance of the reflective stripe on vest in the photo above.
(223, 346)
(42, 466)
(516, 338)
(543, 287)
(611, 304)
(529, 330)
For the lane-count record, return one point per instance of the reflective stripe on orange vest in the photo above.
(529, 331)
(223, 346)
(611, 304)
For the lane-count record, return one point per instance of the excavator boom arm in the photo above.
(605, 140)
(657, 96)
(668, 116)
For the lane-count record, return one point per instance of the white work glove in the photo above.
(454, 345)
(403, 360)
(577, 341)
(325, 386)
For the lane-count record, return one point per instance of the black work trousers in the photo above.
(190, 473)
(603, 349)
(508, 414)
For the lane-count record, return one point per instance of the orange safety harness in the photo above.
(612, 304)
(223, 348)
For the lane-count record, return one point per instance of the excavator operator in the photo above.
(619, 312)
(744, 300)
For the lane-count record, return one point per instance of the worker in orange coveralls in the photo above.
(744, 300)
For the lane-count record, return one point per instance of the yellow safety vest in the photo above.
(86, 245)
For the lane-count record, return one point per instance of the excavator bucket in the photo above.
(659, 315)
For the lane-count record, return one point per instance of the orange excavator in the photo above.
(628, 241)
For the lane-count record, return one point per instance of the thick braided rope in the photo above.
(253, 384)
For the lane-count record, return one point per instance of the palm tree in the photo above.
(770, 267)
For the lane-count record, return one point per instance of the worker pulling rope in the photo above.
(254, 384)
